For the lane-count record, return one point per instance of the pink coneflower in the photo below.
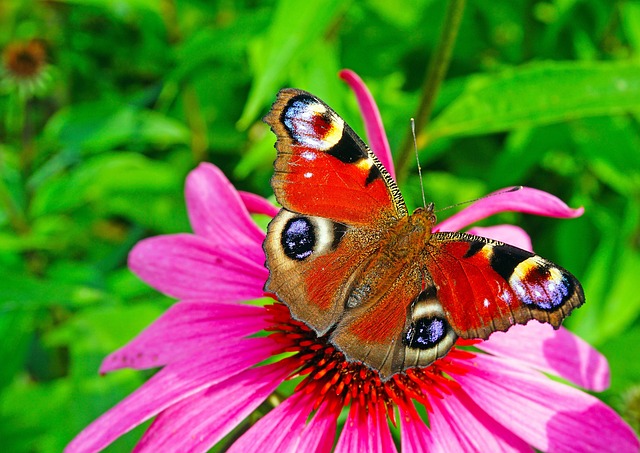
(216, 371)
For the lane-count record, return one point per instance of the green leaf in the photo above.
(521, 153)
(97, 331)
(160, 130)
(286, 40)
(612, 301)
(586, 320)
(119, 7)
(400, 13)
(27, 293)
(15, 334)
(540, 93)
(445, 189)
(630, 17)
(622, 306)
(95, 126)
(127, 184)
(610, 145)
(619, 350)
(106, 125)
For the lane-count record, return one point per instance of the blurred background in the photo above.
(106, 105)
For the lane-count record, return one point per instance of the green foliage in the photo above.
(513, 98)
(96, 142)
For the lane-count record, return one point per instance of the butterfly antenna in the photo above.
(502, 192)
(415, 148)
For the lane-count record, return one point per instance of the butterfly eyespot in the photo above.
(298, 238)
(425, 333)
(540, 285)
(311, 124)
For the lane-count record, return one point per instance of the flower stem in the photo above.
(16, 113)
(197, 124)
(435, 73)
(14, 215)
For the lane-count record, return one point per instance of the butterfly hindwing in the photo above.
(311, 262)
(405, 328)
(486, 286)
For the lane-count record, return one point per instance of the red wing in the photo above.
(485, 285)
(324, 169)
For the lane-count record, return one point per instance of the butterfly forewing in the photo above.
(324, 169)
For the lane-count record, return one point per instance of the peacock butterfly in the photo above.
(348, 259)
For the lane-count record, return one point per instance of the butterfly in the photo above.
(349, 261)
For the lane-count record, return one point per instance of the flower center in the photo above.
(329, 376)
(24, 60)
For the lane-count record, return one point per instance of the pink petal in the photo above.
(280, 429)
(508, 234)
(216, 210)
(366, 431)
(548, 415)
(255, 204)
(169, 386)
(380, 435)
(355, 432)
(197, 423)
(372, 120)
(320, 432)
(458, 424)
(185, 266)
(415, 436)
(186, 329)
(558, 352)
(527, 200)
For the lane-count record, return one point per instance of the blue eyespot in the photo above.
(425, 333)
(298, 238)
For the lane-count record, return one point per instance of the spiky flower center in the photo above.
(24, 60)
(329, 376)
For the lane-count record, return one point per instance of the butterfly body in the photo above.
(349, 260)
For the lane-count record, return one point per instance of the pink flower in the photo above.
(212, 378)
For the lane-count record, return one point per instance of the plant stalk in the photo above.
(433, 80)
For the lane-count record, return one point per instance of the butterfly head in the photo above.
(411, 230)
(425, 215)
